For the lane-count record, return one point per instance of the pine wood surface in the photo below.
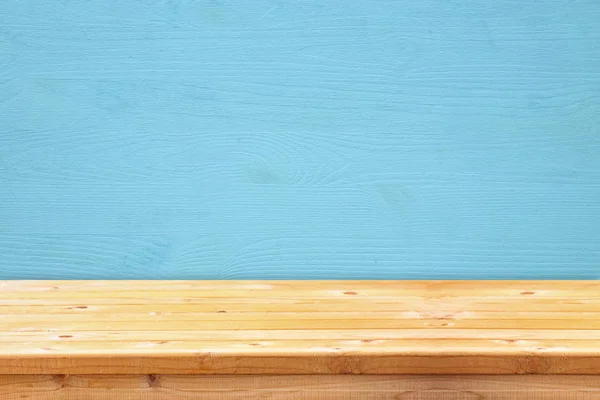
(299, 327)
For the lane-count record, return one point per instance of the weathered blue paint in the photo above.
(299, 139)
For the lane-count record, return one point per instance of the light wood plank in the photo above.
(290, 316)
(493, 287)
(204, 289)
(302, 322)
(284, 348)
(506, 335)
(482, 303)
(181, 387)
(177, 305)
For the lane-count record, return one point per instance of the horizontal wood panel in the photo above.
(508, 335)
(373, 306)
(320, 363)
(182, 387)
(290, 316)
(298, 290)
(284, 348)
(493, 287)
(304, 323)
(316, 304)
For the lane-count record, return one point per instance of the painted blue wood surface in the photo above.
(299, 139)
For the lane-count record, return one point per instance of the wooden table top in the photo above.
(300, 327)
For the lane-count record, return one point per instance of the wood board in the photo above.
(299, 327)
(332, 387)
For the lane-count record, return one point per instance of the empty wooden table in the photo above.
(299, 339)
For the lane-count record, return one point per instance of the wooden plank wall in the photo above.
(286, 139)
(181, 387)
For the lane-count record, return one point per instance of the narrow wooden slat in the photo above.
(19, 306)
(507, 335)
(332, 387)
(172, 323)
(483, 303)
(284, 348)
(325, 363)
(355, 295)
(419, 286)
(228, 316)
(191, 290)
(286, 327)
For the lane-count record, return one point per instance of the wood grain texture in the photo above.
(276, 139)
(299, 327)
(335, 387)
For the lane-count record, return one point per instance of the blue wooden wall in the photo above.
(299, 139)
